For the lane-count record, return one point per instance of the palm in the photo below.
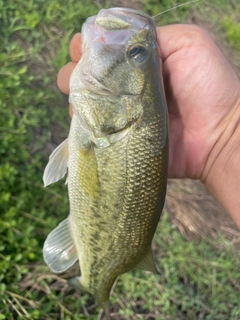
(198, 82)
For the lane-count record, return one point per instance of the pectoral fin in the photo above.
(59, 251)
(57, 165)
(148, 264)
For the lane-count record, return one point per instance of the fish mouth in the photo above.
(122, 18)
(104, 45)
(126, 20)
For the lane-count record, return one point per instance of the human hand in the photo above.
(203, 98)
(65, 72)
(202, 91)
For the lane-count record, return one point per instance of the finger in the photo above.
(76, 47)
(172, 38)
(64, 76)
(70, 110)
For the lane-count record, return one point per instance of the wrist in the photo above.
(221, 174)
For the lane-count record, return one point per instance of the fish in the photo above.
(115, 156)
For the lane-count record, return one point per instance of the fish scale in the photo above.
(137, 192)
(116, 154)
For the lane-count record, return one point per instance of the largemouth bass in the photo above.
(116, 154)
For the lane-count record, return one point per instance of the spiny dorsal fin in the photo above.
(59, 251)
(57, 165)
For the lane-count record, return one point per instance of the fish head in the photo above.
(119, 51)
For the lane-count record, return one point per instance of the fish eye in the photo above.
(138, 54)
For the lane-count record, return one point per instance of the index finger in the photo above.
(76, 47)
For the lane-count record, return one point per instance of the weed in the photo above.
(196, 282)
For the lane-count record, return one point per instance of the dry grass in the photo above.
(197, 214)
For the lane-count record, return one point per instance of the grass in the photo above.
(197, 281)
